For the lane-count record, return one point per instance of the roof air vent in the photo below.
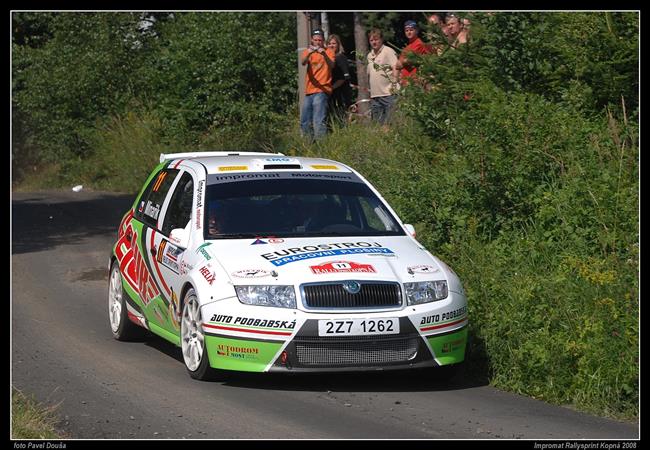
(282, 166)
(277, 162)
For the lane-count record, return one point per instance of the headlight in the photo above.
(278, 296)
(426, 291)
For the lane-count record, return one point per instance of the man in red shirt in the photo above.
(415, 46)
(318, 86)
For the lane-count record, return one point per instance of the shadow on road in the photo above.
(421, 380)
(41, 221)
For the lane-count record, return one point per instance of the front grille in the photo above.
(371, 295)
(332, 352)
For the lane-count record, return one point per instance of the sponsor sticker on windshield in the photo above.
(152, 210)
(159, 181)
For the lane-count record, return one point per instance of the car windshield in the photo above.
(296, 208)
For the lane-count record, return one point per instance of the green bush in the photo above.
(83, 72)
(539, 210)
(223, 72)
(585, 59)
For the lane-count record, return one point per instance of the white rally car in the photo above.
(260, 262)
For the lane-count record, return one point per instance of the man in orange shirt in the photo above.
(415, 46)
(318, 86)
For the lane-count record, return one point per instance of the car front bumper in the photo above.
(263, 339)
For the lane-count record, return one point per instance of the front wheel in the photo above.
(195, 355)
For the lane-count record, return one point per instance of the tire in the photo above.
(121, 327)
(195, 356)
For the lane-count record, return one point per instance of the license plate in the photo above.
(358, 327)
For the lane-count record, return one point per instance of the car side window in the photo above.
(179, 212)
(154, 196)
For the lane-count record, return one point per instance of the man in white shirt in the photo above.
(383, 77)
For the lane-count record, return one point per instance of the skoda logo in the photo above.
(352, 287)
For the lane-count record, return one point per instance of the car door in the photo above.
(134, 253)
(167, 253)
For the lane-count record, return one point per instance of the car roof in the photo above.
(229, 162)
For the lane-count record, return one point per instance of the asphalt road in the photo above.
(63, 353)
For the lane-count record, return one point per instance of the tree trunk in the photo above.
(303, 43)
(361, 44)
(326, 26)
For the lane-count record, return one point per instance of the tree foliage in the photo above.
(587, 59)
(79, 74)
(223, 70)
(197, 71)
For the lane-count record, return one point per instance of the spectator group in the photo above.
(328, 89)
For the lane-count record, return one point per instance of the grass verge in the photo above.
(31, 420)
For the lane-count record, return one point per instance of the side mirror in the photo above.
(180, 237)
(410, 229)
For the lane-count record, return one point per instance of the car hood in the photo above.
(305, 260)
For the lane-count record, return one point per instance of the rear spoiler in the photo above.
(169, 156)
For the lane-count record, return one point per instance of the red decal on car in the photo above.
(133, 267)
(244, 330)
(209, 276)
(342, 266)
(444, 325)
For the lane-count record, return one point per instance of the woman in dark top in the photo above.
(341, 97)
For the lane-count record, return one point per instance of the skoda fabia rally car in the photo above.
(265, 263)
